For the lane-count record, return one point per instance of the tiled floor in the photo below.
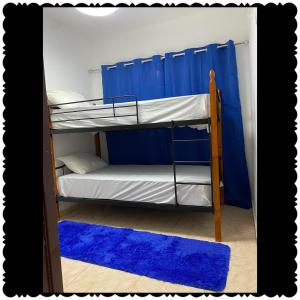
(238, 232)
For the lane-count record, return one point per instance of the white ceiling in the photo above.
(124, 19)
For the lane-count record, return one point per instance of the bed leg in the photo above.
(222, 195)
(217, 216)
(98, 144)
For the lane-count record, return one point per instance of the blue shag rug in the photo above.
(174, 259)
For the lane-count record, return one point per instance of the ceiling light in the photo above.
(97, 11)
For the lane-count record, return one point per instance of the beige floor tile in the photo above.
(96, 278)
(156, 286)
(237, 229)
(71, 269)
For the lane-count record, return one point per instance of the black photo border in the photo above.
(276, 139)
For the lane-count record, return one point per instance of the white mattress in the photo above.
(141, 183)
(150, 111)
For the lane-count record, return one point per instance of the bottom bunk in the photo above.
(141, 185)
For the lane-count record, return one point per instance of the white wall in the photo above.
(209, 26)
(73, 142)
(65, 58)
(66, 68)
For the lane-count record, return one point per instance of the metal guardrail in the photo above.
(113, 108)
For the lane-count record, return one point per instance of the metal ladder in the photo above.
(178, 162)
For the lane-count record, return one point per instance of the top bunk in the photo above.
(128, 113)
(88, 116)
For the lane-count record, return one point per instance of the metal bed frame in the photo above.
(214, 139)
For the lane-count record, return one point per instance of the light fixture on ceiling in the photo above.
(97, 11)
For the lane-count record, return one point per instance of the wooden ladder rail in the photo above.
(215, 156)
(53, 166)
(221, 165)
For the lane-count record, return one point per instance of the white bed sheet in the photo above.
(150, 111)
(140, 183)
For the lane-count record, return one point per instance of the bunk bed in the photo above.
(184, 185)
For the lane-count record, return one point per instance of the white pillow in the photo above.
(58, 97)
(82, 163)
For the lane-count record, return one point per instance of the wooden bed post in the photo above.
(54, 169)
(220, 146)
(215, 155)
(97, 144)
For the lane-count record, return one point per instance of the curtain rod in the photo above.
(96, 70)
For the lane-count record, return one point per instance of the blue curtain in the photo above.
(146, 81)
(177, 76)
